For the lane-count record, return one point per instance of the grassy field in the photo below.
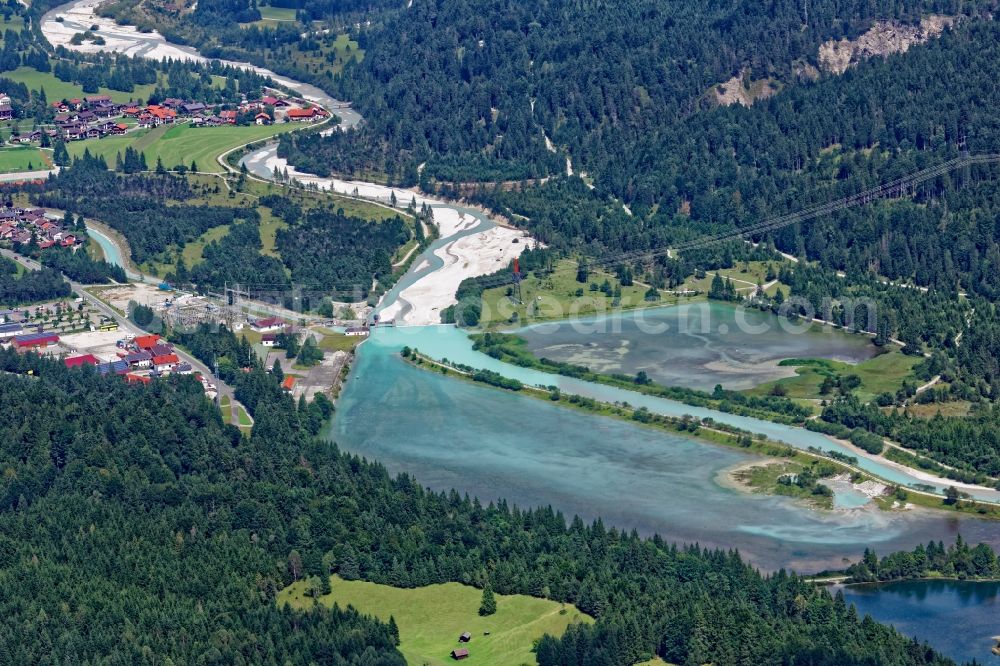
(883, 373)
(273, 16)
(245, 421)
(930, 410)
(16, 23)
(269, 226)
(191, 252)
(23, 158)
(558, 295)
(56, 89)
(431, 619)
(333, 341)
(745, 277)
(180, 144)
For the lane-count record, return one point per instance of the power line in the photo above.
(895, 188)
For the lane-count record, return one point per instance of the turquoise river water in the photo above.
(492, 444)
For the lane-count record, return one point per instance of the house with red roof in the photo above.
(84, 359)
(299, 115)
(146, 341)
(165, 362)
(267, 325)
(34, 341)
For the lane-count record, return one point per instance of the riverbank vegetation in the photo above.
(813, 464)
(207, 240)
(791, 479)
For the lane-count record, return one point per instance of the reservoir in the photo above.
(959, 618)
(490, 444)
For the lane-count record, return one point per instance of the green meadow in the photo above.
(22, 158)
(431, 618)
(180, 144)
(56, 89)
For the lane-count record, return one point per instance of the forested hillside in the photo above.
(125, 509)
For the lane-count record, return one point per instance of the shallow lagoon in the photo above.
(696, 345)
(959, 618)
(492, 444)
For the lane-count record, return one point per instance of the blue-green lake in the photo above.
(959, 618)
(495, 444)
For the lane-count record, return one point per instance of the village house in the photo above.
(146, 342)
(262, 119)
(139, 359)
(165, 362)
(161, 114)
(228, 116)
(300, 115)
(267, 325)
(119, 367)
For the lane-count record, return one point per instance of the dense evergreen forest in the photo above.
(128, 508)
(134, 205)
(958, 560)
(362, 250)
(30, 286)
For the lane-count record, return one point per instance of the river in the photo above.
(489, 443)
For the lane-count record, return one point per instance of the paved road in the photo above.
(20, 176)
(127, 325)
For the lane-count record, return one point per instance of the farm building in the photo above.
(459, 653)
(35, 341)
